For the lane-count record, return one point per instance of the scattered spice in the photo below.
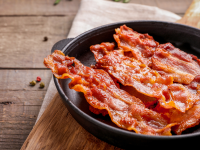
(45, 39)
(42, 85)
(38, 79)
(32, 83)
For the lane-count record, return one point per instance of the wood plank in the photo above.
(38, 7)
(54, 25)
(19, 105)
(16, 126)
(65, 7)
(22, 113)
(22, 97)
(16, 122)
(22, 45)
(18, 80)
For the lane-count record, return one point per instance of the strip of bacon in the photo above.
(101, 92)
(128, 71)
(172, 61)
(142, 46)
(164, 58)
(185, 120)
(131, 72)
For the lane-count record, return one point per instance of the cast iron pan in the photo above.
(184, 37)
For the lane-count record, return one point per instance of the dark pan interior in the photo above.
(181, 36)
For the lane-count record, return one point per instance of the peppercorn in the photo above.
(38, 79)
(33, 83)
(45, 39)
(42, 85)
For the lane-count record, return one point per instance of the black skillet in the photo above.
(184, 37)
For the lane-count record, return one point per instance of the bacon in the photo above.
(172, 61)
(142, 46)
(185, 120)
(130, 72)
(101, 93)
(164, 58)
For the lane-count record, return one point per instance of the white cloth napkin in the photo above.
(93, 13)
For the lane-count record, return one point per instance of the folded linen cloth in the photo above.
(93, 13)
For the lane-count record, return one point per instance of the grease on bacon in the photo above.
(164, 58)
(131, 72)
(101, 93)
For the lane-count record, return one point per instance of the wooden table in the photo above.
(23, 27)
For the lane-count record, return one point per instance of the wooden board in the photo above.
(56, 129)
(192, 16)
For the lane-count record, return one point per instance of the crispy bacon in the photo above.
(131, 72)
(185, 120)
(164, 58)
(175, 62)
(142, 46)
(101, 93)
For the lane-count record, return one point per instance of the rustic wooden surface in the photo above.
(23, 26)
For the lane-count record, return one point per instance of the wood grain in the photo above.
(38, 7)
(65, 7)
(16, 80)
(23, 26)
(22, 45)
(192, 15)
(19, 105)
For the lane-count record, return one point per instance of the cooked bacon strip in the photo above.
(142, 46)
(127, 70)
(100, 91)
(130, 72)
(172, 61)
(185, 120)
(188, 119)
(164, 58)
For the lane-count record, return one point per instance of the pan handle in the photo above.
(61, 44)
